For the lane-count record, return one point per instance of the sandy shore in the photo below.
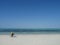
(31, 39)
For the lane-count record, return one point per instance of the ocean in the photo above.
(30, 31)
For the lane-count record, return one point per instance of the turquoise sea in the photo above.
(30, 31)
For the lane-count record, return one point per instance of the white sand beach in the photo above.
(30, 39)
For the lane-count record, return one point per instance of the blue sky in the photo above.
(29, 14)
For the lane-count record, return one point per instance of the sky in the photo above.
(29, 13)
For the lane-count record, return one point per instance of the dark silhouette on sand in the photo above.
(12, 34)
